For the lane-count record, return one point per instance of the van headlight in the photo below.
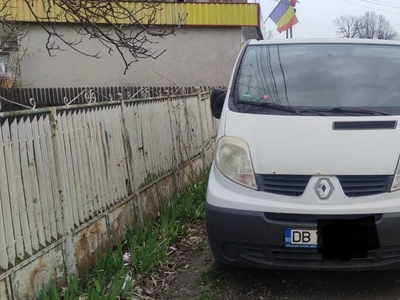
(396, 179)
(233, 159)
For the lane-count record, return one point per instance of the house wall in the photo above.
(200, 56)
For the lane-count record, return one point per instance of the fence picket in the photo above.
(6, 230)
(64, 170)
(77, 157)
(97, 154)
(85, 187)
(118, 162)
(49, 152)
(96, 129)
(25, 202)
(13, 226)
(138, 141)
(91, 163)
(43, 181)
(34, 196)
(69, 166)
(83, 135)
(19, 208)
(102, 116)
(72, 160)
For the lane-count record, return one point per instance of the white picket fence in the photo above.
(71, 175)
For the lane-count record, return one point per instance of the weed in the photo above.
(48, 292)
(117, 287)
(207, 294)
(73, 290)
(148, 246)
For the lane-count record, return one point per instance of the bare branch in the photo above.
(347, 26)
(125, 27)
(368, 26)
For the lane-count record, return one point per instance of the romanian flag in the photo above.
(283, 15)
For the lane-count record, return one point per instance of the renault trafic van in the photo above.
(306, 169)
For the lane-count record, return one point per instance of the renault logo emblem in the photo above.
(323, 188)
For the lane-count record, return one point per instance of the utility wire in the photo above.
(381, 4)
(374, 8)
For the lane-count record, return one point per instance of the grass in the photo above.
(148, 247)
(207, 294)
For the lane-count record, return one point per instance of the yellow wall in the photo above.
(193, 14)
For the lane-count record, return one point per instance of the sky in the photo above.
(316, 16)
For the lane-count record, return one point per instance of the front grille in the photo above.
(295, 219)
(311, 257)
(352, 185)
(386, 254)
(287, 185)
(314, 257)
(364, 125)
(365, 185)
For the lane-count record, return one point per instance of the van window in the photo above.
(319, 76)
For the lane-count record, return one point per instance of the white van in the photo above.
(306, 170)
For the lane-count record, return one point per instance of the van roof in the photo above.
(323, 41)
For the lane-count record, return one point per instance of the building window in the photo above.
(5, 64)
(9, 62)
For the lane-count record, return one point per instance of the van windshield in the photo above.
(323, 79)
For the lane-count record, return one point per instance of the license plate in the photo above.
(301, 238)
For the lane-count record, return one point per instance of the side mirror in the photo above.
(217, 100)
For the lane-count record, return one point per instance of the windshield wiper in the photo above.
(281, 107)
(318, 111)
(269, 105)
(356, 110)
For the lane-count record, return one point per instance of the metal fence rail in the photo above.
(73, 174)
(45, 97)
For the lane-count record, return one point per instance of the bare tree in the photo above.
(126, 27)
(270, 35)
(368, 26)
(384, 31)
(347, 26)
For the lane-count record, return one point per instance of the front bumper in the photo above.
(256, 239)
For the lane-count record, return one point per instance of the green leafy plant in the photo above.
(48, 292)
(73, 290)
(148, 246)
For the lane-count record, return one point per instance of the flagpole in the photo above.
(291, 28)
(289, 31)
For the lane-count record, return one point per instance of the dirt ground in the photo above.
(201, 278)
(196, 258)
